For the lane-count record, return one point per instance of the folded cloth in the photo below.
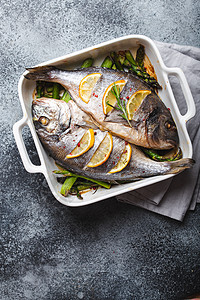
(173, 197)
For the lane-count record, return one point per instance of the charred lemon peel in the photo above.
(102, 153)
(86, 142)
(87, 85)
(135, 101)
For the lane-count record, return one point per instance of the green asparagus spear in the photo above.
(67, 185)
(173, 155)
(107, 63)
(140, 56)
(49, 89)
(39, 89)
(116, 61)
(48, 95)
(121, 57)
(68, 173)
(87, 63)
(127, 64)
(66, 97)
(130, 58)
(142, 74)
(83, 186)
(56, 90)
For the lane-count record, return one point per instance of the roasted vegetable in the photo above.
(67, 185)
(171, 155)
(68, 173)
(107, 63)
(140, 56)
(56, 91)
(87, 63)
(139, 72)
(66, 96)
(116, 61)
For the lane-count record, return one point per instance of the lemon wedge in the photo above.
(124, 159)
(86, 86)
(108, 96)
(102, 153)
(135, 101)
(86, 142)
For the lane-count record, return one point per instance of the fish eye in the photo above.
(44, 120)
(168, 125)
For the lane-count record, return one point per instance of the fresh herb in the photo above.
(121, 104)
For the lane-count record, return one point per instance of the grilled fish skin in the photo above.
(61, 125)
(152, 125)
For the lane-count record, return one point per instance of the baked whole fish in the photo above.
(152, 125)
(61, 126)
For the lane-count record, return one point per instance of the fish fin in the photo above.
(39, 73)
(180, 165)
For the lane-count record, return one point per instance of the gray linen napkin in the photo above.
(173, 197)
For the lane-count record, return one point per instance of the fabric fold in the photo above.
(175, 196)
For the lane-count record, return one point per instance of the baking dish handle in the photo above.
(28, 165)
(191, 109)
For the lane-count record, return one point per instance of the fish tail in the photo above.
(180, 165)
(39, 73)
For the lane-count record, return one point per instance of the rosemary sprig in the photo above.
(121, 104)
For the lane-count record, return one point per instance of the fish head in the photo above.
(162, 131)
(160, 127)
(51, 116)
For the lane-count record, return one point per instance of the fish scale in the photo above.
(118, 147)
(126, 93)
(82, 160)
(95, 102)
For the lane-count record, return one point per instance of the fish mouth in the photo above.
(173, 142)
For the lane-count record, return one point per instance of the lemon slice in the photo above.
(124, 159)
(84, 145)
(135, 101)
(86, 86)
(108, 96)
(102, 153)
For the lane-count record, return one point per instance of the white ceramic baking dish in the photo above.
(98, 52)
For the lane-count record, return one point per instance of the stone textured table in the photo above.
(105, 251)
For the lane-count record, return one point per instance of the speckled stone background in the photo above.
(105, 251)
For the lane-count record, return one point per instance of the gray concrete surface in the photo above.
(105, 251)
